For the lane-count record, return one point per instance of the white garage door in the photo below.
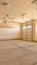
(29, 32)
(9, 33)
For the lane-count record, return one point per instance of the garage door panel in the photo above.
(9, 33)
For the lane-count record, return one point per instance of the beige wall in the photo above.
(36, 31)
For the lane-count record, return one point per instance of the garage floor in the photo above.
(18, 52)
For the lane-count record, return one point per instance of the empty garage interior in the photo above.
(18, 32)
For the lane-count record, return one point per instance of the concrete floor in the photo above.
(18, 52)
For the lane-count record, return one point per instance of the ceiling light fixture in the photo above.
(23, 16)
(34, 2)
(7, 18)
(3, 3)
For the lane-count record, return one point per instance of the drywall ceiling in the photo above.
(16, 8)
